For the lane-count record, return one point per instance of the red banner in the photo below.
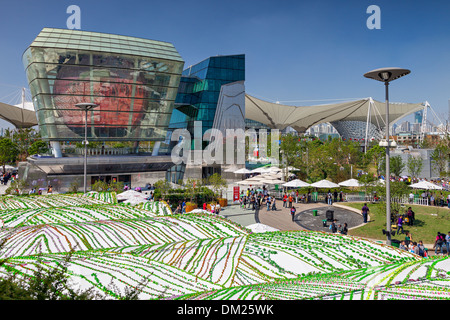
(235, 193)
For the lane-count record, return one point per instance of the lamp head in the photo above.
(86, 106)
(386, 74)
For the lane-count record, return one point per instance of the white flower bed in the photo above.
(202, 256)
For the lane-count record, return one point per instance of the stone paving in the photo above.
(304, 219)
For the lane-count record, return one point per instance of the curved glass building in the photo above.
(133, 81)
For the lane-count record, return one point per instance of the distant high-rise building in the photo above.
(418, 116)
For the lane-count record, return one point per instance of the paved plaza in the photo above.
(304, 218)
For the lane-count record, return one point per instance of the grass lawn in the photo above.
(429, 220)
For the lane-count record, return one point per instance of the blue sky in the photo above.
(302, 51)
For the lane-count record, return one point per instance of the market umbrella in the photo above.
(249, 183)
(425, 185)
(261, 170)
(350, 183)
(324, 184)
(272, 181)
(243, 170)
(297, 183)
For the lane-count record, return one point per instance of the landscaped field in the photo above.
(203, 256)
(429, 221)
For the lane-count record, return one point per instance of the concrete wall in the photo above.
(427, 169)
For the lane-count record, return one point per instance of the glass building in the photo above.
(133, 81)
(198, 95)
(199, 90)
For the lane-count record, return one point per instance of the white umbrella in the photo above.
(297, 183)
(274, 169)
(324, 184)
(271, 181)
(425, 185)
(350, 183)
(249, 183)
(243, 170)
(261, 170)
(271, 175)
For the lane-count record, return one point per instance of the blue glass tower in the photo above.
(199, 90)
(198, 95)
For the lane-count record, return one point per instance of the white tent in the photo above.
(249, 183)
(324, 184)
(243, 170)
(261, 170)
(272, 181)
(425, 185)
(350, 183)
(297, 183)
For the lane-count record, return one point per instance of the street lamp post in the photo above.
(86, 107)
(387, 75)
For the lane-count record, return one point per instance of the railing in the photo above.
(102, 151)
(321, 197)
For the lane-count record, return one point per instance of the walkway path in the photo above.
(304, 218)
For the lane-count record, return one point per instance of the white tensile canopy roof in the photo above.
(296, 183)
(21, 116)
(425, 185)
(324, 184)
(350, 183)
(300, 118)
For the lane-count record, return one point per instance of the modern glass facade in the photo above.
(199, 89)
(133, 81)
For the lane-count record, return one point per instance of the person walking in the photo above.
(293, 210)
(365, 211)
(290, 201)
(274, 208)
(285, 201)
(400, 224)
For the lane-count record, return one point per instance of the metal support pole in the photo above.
(388, 173)
(85, 150)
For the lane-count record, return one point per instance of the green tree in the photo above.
(396, 166)
(440, 157)
(376, 155)
(9, 152)
(38, 147)
(163, 186)
(218, 184)
(414, 165)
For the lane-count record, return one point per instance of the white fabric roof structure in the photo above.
(350, 183)
(20, 115)
(296, 183)
(300, 118)
(324, 184)
(425, 185)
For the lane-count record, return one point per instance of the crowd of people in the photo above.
(6, 176)
(255, 199)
